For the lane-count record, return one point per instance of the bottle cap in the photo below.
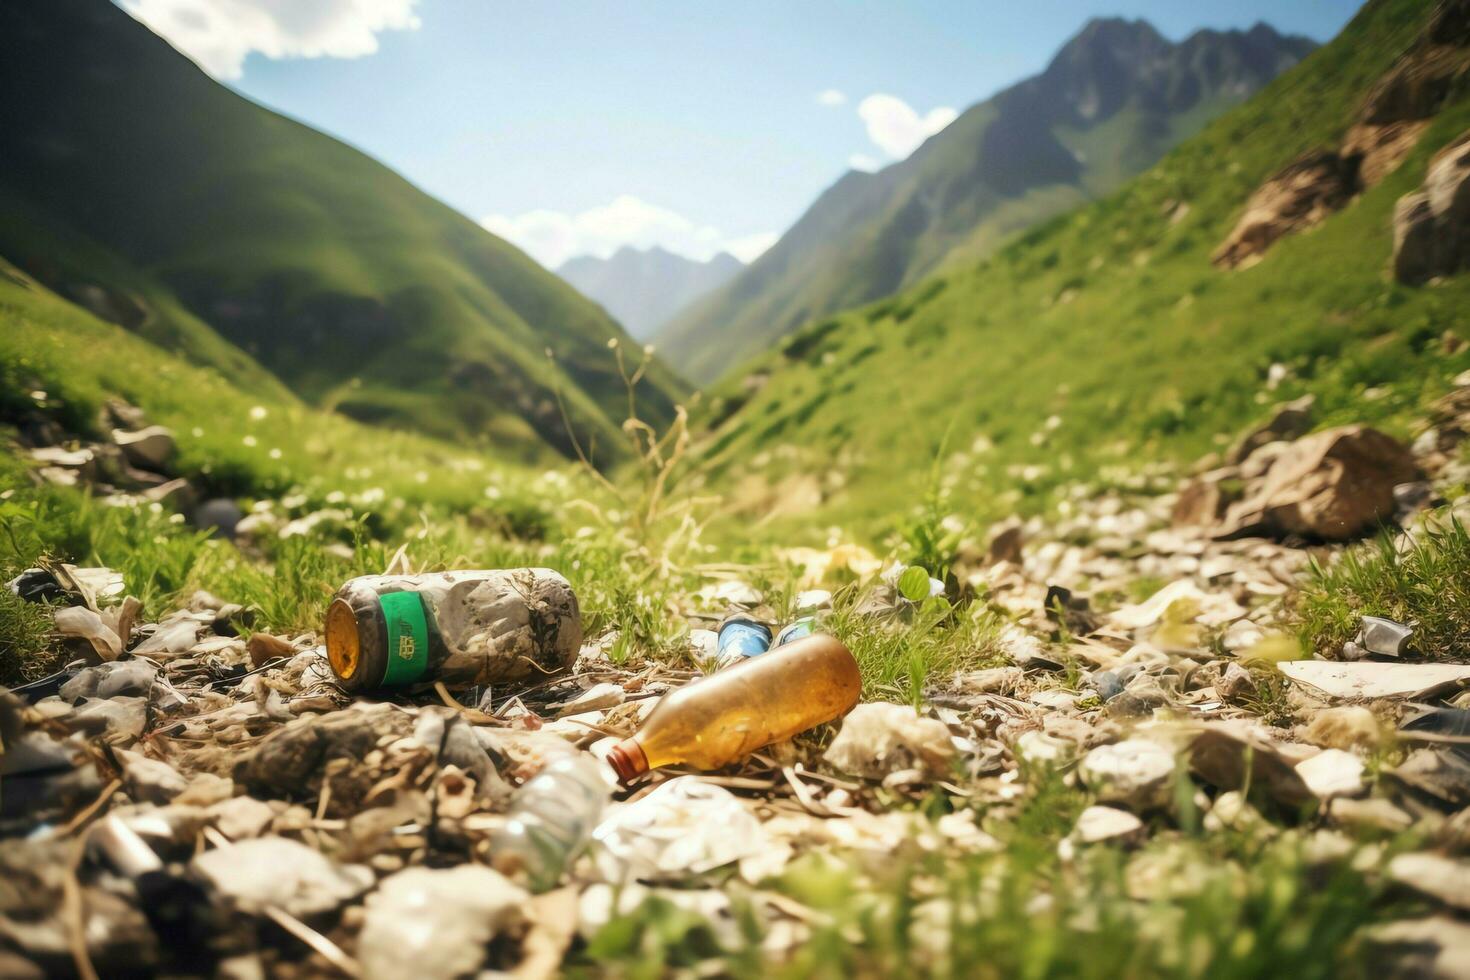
(628, 760)
(344, 646)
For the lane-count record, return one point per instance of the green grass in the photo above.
(25, 628)
(901, 659)
(1425, 582)
(234, 443)
(1113, 320)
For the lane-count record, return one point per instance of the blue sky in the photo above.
(574, 127)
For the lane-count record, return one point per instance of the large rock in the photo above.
(1396, 113)
(1333, 485)
(1380, 148)
(148, 449)
(1431, 226)
(1426, 75)
(1291, 420)
(1416, 241)
(1006, 541)
(1300, 195)
(1205, 499)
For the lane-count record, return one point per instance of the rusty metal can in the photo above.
(464, 627)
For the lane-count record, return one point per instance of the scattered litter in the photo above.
(685, 826)
(728, 715)
(551, 819)
(880, 738)
(1137, 773)
(743, 636)
(1100, 823)
(1435, 724)
(1375, 680)
(207, 739)
(1332, 773)
(1384, 637)
(435, 924)
(83, 623)
(1444, 879)
(489, 627)
(275, 871)
(795, 630)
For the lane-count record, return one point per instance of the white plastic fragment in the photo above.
(879, 738)
(685, 827)
(1136, 773)
(1210, 609)
(1331, 773)
(1384, 636)
(1375, 680)
(1442, 878)
(1039, 747)
(276, 871)
(434, 924)
(83, 623)
(1100, 823)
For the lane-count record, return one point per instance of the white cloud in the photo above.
(748, 248)
(219, 34)
(863, 162)
(831, 97)
(552, 237)
(896, 128)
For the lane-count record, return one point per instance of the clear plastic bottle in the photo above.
(728, 715)
(551, 819)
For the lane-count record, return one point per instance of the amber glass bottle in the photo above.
(729, 715)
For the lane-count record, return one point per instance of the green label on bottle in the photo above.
(408, 637)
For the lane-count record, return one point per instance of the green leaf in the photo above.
(936, 605)
(913, 584)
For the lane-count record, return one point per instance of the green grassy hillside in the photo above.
(138, 187)
(1106, 339)
(63, 363)
(1112, 101)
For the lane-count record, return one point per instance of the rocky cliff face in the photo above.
(1394, 115)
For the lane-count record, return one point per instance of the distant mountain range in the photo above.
(642, 289)
(134, 185)
(1112, 101)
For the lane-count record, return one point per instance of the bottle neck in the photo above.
(628, 760)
